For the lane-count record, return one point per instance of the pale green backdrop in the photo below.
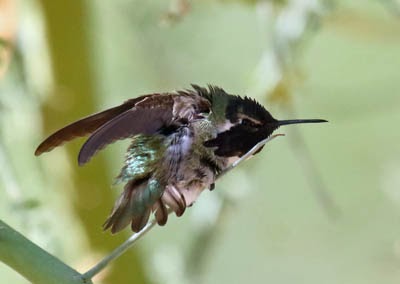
(265, 222)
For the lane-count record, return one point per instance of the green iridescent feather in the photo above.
(144, 183)
(142, 158)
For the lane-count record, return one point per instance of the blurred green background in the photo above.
(320, 205)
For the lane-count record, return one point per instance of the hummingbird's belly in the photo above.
(194, 181)
(190, 169)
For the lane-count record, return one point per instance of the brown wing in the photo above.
(147, 117)
(84, 126)
(127, 124)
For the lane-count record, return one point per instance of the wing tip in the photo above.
(38, 152)
(49, 144)
(82, 160)
(43, 148)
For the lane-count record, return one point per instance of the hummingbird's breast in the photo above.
(191, 167)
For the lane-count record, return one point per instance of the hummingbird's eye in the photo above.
(248, 122)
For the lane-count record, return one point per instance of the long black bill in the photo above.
(297, 121)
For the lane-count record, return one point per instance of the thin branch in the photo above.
(132, 239)
(119, 250)
(32, 262)
(249, 154)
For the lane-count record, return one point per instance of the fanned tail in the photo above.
(135, 205)
(141, 198)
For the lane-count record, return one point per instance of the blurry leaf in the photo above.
(281, 93)
(178, 9)
(27, 204)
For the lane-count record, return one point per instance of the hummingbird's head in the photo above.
(246, 123)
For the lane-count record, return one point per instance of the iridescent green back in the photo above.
(142, 157)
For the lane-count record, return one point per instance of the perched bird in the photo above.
(181, 141)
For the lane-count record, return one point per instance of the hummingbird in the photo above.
(180, 142)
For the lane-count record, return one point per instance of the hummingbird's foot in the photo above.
(174, 199)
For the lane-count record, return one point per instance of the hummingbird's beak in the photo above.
(297, 121)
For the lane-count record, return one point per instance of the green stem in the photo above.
(32, 262)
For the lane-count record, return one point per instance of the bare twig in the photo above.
(249, 154)
(119, 250)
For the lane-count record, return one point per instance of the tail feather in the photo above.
(120, 216)
(138, 222)
(135, 205)
(161, 212)
(139, 199)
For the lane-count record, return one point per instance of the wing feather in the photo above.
(144, 119)
(145, 115)
(84, 126)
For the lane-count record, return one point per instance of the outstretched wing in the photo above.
(146, 118)
(145, 115)
(84, 126)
